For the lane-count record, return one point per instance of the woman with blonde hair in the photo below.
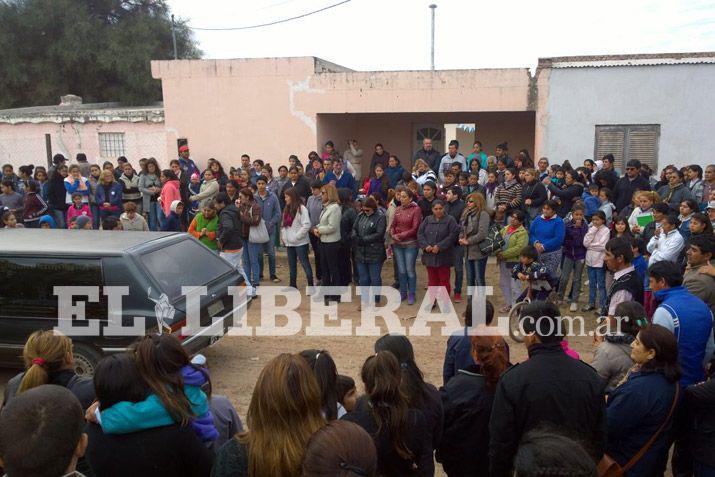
(283, 414)
(475, 227)
(422, 172)
(645, 201)
(328, 231)
(48, 360)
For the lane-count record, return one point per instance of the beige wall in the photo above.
(273, 107)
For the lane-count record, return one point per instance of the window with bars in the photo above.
(626, 142)
(111, 145)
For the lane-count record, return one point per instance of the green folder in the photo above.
(643, 220)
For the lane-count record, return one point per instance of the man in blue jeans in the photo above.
(271, 213)
(228, 236)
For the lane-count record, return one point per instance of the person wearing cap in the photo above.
(628, 184)
(711, 212)
(186, 163)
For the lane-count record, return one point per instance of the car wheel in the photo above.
(85, 360)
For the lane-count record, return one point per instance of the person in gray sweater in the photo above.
(150, 188)
(437, 236)
(612, 358)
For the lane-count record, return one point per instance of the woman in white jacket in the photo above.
(209, 189)
(294, 235)
(667, 242)
(595, 242)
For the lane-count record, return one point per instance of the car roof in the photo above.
(78, 242)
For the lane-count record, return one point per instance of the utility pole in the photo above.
(432, 7)
(173, 34)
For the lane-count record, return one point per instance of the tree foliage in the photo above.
(97, 49)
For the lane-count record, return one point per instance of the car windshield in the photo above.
(187, 263)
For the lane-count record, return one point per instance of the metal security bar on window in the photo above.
(111, 145)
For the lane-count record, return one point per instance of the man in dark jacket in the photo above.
(606, 177)
(455, 207)
(301, 184)
(628, 184)
(428, 154)
(228, 235)
(549, 388)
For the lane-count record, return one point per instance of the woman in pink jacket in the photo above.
(403, 231)
(595, 242)
(169, 192)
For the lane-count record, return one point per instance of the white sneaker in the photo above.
(573, 307)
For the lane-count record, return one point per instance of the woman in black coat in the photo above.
(533, 194)
(467, 400)
(347, 219)
(569, 194)
(368, 238)
(437, 236)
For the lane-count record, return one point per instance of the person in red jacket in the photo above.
(403, 231)
(34, 206)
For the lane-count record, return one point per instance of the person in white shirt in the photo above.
(667, 242)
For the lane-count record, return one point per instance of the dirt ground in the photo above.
(235, 362)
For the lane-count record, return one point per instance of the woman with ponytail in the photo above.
(467, 400)
(420, 394)
(400, 433)
(48, 360)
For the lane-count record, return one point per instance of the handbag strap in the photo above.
(652, 440)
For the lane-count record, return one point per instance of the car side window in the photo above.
(27, 285)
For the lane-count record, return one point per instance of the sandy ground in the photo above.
(235, 362)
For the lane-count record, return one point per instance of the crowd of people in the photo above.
(642, 245)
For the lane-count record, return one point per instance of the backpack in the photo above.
(493, 242)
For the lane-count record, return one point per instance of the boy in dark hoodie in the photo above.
(529, 269)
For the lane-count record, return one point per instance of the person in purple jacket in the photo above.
(574, 255)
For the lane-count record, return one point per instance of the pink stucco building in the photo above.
(103, 131)
(273, 107)
(651, 107)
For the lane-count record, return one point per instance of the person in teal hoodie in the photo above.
(176, 392)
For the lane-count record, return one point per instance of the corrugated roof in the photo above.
(655, 59)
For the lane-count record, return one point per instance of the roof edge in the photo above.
(643, 58)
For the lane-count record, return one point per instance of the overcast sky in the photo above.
(394, 34)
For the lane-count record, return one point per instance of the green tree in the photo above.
(97, 49)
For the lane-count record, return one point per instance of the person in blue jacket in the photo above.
(686, 316)
(271, 214)
(644, 403)
(547, 233)
(394, 171)
(341, 178)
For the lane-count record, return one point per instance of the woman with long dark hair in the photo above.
(348, 214)
(420, 394)
(295, 228)
(326, 373)
(467, 400)
(168, 450)
(642, 406)
(250, 213)
(379, 183)
(400, 433)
